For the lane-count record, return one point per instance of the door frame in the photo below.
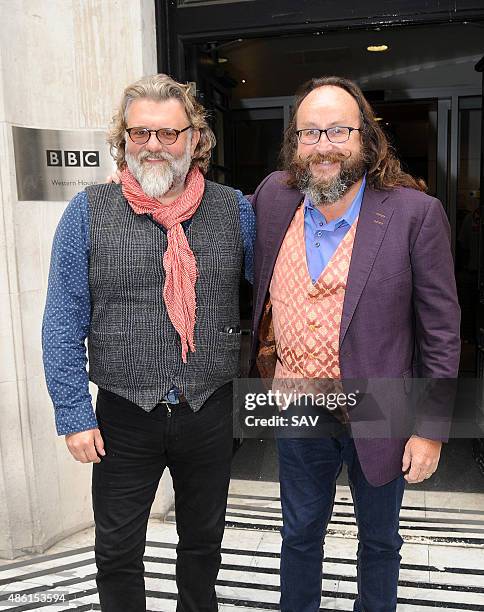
(181, 23)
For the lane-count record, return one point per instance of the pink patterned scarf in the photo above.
(179, 262)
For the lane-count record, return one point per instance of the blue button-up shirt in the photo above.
(323, 238)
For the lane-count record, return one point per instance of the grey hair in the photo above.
(159, 88)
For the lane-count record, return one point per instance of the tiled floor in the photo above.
(442, 566)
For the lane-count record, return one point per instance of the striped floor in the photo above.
(442, 567)
(426, 517)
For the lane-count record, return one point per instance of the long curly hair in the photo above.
(159, 88)
(384, 170)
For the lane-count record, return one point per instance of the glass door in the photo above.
(468, 226)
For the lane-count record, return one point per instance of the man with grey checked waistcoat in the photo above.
(148, 272)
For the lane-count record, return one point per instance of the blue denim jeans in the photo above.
(308, 469)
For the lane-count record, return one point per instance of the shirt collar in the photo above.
(351, 213)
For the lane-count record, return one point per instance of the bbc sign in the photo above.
(54, 165)
(86, 159)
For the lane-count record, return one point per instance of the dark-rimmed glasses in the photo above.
(336, 134)
(166, 136)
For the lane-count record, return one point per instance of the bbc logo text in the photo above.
(56, 157)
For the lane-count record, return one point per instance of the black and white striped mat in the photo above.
(442, 566)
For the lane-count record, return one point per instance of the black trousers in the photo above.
(197, 449)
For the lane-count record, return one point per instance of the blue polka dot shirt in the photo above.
(68, 310)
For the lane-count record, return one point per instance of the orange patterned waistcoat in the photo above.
(307, 317)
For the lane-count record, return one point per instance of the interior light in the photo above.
(378, 118)
(377, 48)
(223, 60)
(244, 81)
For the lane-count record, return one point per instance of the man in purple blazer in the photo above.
(399, 319)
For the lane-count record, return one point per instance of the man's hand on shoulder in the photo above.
(420, 459)
(115, 177)
(86, 446)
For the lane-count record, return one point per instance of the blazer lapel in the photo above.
(285, 205)
(375, 215)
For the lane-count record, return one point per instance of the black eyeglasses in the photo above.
(167, 136)
(336, 134)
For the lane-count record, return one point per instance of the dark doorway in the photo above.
(257, 137)
(411, 128)
(468, 230)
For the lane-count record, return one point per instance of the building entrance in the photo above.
(422, 83)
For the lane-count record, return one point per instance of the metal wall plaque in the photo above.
(54, 165)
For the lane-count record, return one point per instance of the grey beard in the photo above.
(157, 181)
(325, 194)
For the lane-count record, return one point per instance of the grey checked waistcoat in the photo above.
(134, 350)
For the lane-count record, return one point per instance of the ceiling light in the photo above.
(244, 81)
(378, 118)
(377, 48)
(222, 60)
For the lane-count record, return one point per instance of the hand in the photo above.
(420, 459)
(115, 177)
(86, 446)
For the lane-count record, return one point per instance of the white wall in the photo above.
(63, 65)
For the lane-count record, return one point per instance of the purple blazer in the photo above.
(401, 316)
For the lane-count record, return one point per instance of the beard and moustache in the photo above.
(326, 191)
(157, 179)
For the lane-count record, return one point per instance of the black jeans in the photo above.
(197, 448)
